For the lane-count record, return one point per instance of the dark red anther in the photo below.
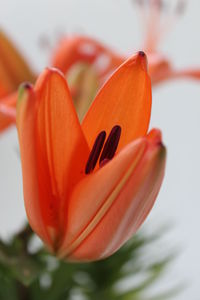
(94, 154)
(111, 144)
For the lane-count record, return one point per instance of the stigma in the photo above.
(105, 152)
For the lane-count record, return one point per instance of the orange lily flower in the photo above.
(88, 187)
(13, 71)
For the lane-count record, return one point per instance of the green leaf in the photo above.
(22, 266)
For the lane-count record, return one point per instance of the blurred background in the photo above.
(176, 110)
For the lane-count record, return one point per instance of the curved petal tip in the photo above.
(142, 58)
(139, 58)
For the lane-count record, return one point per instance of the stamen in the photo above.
(94, 154)
(111, 144)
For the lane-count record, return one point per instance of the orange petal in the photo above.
(26, 116)
(13, 68)
(187, 73)
(107, 207)
(3, 90)
(8, 111)
(53, 151)
(61, 147)
(160, 68)
(124, 100)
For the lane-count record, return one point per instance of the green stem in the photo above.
(23, 292)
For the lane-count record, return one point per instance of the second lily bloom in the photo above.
(88, 187)
(13, 71)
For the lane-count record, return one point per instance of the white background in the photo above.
(176, 110)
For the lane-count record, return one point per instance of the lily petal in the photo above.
(13, 68)
(124, 100)
(121, 196)
(3, 90)
(186, 73)
(26, 115)
(58, 143)
(61, 146)
(8, 111)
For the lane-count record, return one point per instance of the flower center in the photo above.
(109, 149)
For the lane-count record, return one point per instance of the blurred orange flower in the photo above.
(87, 63)
(82, 49)
(13, 71)
(86, 195)
(157, 17)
